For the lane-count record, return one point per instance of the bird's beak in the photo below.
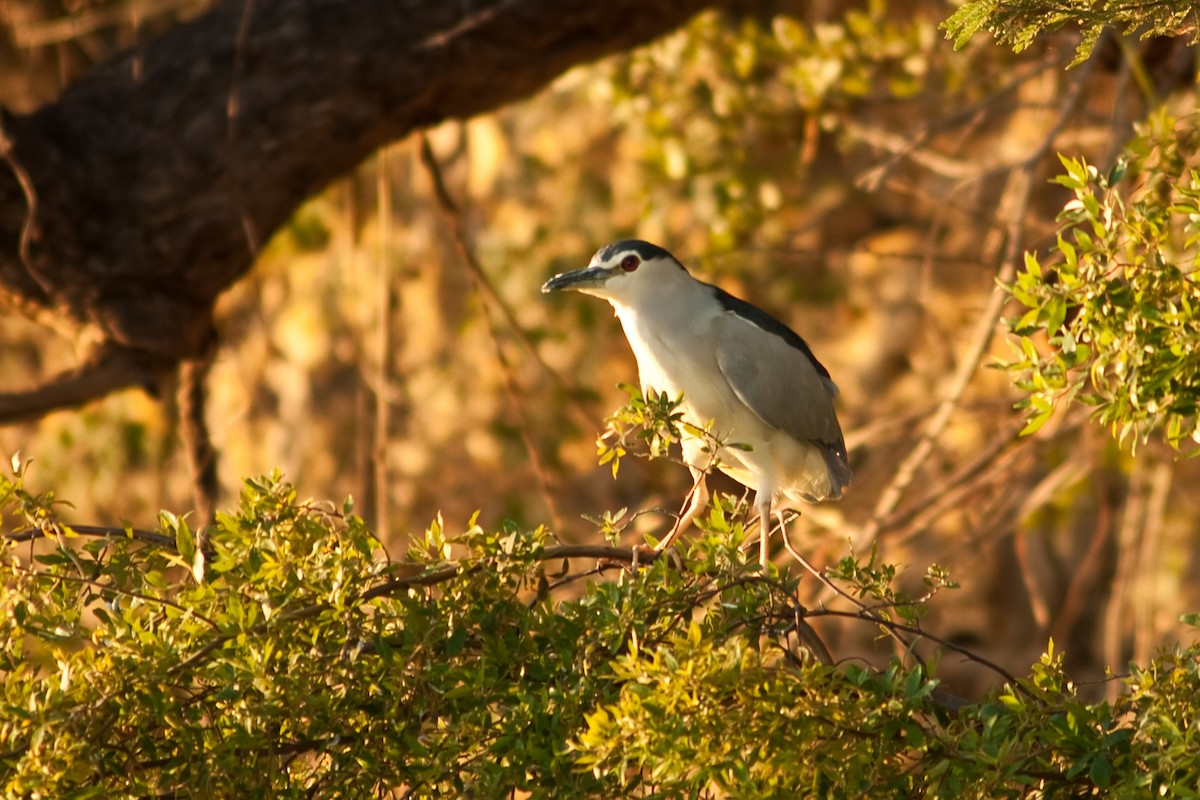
(579, 280)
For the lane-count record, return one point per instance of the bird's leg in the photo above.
(697, 500)
(763, 501)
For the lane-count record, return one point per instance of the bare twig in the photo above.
(381, 479)
(902, 627)
(996, 463)
(1014, 203)
(1138, 536)
(1161, 476)
(1085, 574)
(484, 284)
(867, 613)
(29, 226)
(910, 146)
(454, 222)
(232, 118)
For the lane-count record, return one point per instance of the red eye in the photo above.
(630, 263)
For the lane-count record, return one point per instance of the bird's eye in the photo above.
(630, 263)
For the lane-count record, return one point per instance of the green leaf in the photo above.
(185, 543)
(1035, 422)
(1031, 264)
(1100, 772)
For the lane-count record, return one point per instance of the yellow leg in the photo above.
(763, 501)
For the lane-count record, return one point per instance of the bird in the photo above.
(733, 367)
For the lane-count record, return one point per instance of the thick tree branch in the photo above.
(130, 203)
(108, 369)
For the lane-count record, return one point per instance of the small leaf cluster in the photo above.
(1118, 299)
(727, 110)
(874, 582)
(647, 427)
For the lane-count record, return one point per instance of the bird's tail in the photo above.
(840, 473)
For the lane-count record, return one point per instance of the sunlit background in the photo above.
(843, 169)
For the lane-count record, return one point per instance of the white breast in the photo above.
(668, 362)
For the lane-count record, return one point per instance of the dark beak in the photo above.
(587, 278)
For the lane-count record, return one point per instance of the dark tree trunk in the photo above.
(145, 190)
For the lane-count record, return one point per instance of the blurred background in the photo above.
(839, 165)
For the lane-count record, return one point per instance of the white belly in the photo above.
(776, 462)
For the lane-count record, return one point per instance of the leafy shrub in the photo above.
(1118, 301)
(309, 664)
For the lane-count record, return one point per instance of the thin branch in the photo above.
(1117, 632)
(29, 226)
(867, 613)
(1086, 574)
(909, 146)
(898, 145)
(917, 631)
(452, 216)
(994, 464)
(113, 590)
(232, 119)
(107, 369)
(488, 290)
(1015, 202)
(380, 473)
(1144, 616)
(101, 531)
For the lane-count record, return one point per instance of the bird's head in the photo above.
(623, 272)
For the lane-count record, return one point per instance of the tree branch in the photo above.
(157, 175)
(108, 369)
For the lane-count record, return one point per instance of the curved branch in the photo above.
(1017, 193)
(893, 626)
(158, 175)
(108, 369)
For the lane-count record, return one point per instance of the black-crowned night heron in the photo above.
(736, 367)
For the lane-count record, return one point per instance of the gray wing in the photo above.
(782, 385)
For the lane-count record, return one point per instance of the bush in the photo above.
(306, 663)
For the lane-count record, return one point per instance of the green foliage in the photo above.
(699, 715)
(1119, 301)
(647, 427)
(1018, 23)
(875, 582)
(655, 421)
(746, 104)
(307, 664)
(695, 714)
